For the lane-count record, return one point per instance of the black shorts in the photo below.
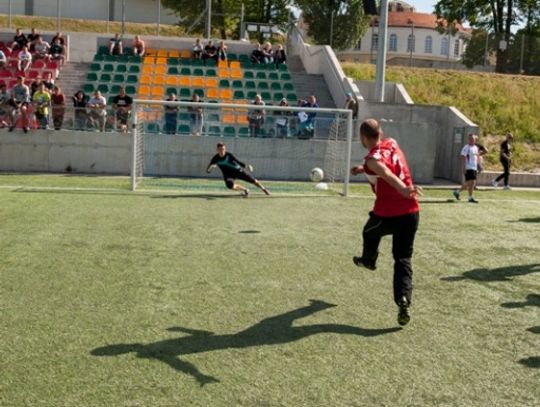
(470, 175)
(244, 176)
(14, 105)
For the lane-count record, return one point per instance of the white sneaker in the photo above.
(495, 184)
(507, 187)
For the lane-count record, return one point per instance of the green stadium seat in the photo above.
(224, 83)
(131, 90)
(250, 85)
(170, 90)
(183, 117)
(229, 131)
(185, 71)
(173, 61)
(239, 94)
(152, 127)
(261, 75)
(273, 76)
(99, 58)
(172, 70)
(283, 67)
(197, 62)
(184, 129)
(214, 131)
(111, 58)
(184, 93)
(115, 89)
(251, 94)
(243, 57)
(246, 64)
(88, 88)
(118, 78)
(121, 68)
(184, 62)
(105, 77)
(211, 72)
(232, 57)
(278, 96)
(103, 50)
(198, 72)
(103, 88)
(275, 86)
(108, 68)
(285, 76)
(132, 79)
(212, 117)
(199, 91)
(91, 77)
(291, 97)
(266, 96)
(288, 86)
(135, 59)
(237, 84)
(210, 63)
(134, 69)
(243, 132)
(110, 99)
(249, 75)
(95, 67)
(262, 86)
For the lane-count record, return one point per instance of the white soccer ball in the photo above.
(316, 174)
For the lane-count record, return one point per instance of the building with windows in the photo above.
(414, 39)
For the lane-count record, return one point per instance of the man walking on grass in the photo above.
(469, 157)
(396, 211)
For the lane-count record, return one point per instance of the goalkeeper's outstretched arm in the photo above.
(212, 163)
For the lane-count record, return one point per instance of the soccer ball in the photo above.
(316, 174)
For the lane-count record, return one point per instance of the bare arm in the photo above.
(408, 191)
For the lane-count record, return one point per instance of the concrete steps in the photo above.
(72, 77)
(306, 85)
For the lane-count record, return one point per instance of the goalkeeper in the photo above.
(233, 169)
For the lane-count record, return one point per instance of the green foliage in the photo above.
(476, 48)
(134, 299)
(497, 103)
(343, 20)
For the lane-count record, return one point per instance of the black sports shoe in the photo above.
(245, 192)
(360, 262)
(404, 314)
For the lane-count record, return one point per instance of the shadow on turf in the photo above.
(274, 330)
(496, 274)
(527, 220)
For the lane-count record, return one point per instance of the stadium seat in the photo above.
(234, 64)
(159, 80)
(283, 67)
(214, 131)
(174, 53)
(285, 77)
(88, 88)
(162, 53)
(158, 91)
(243, 132)
(105, 77)
(171, 80)
(172, 61)
(198, 82)
(266, 96)
(118, 78)
(185, 71)
(103, 50)
(108, 68)
(103, 88)
(210, 63)
(173, 70)
(236, 73)
(135, 59)
(184, 81)
(273, 76)
(262, 86)
(95, 67)
(132, 79)
(148, 60)
(148, 69)
(185, 53)
(212, 93)
(224, 83)
(91, 77)
(278, 96)
(99, 58)
(184, 93)
(145, 79)
(197, 72)
(212, 117)
(161, 70)
(291, 97)
(134, 69)
(152, 127)
(239, 94)
(199, 91)
(223, 72)
(211, 72)
(197, 62)
(144, 90)
(131, 90)
(232, 56)
(211, 83)
(288, 86)
(184, 130)
(225, 94)
(261, 75)
(121, 68)
(275, 86)
(229, 131)
(183, 117)
(251, 94)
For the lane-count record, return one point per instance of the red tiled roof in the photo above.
(420, 20)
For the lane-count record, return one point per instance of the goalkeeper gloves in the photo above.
(249, 167)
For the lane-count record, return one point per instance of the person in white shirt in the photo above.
(469, 157)
(3, 60)
(97, 107)
(25, 59)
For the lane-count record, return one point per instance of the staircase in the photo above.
(306, 84)
(71, 79)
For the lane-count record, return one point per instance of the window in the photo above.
(428, 49)
(374, 42)
(411, 43)
(456, 48)
(392, 45)
(444, 46)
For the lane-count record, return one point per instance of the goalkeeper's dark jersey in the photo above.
(229, 165)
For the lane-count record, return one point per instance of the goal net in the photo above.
(282, 143)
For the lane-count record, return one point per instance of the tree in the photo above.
(476, 49)
(340, 23)
(226, 13)
(498, 15)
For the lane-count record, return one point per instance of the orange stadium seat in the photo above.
(171, 80)
(198, 82)
(146, 79)
(161, 61)
(148, 59)
(161, 69)
(159, 80)
(184, 81)
(148, 69)
(212, 93)
(162, 53)
(174, 53)
(235, 64)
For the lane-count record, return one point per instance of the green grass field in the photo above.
(197, 297)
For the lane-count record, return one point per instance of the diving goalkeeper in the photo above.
(233, 169)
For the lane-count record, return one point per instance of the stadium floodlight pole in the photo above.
(58, 15)
(9, 14)
(208, 19)
(158, 16)
(123, 16)
(381, 52)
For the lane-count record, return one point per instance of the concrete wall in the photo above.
(279, 159)
(393, 92)
(137, 11)
(53, 151)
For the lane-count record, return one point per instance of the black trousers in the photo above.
(403, 230)
(506, 172)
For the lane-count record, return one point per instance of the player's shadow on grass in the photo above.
(527, 220)
(274, 330)
(496, 274)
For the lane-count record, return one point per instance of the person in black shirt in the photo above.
(19, 40)
(122, 106)
(506, 161)
(210, 51)
(233, 169)
(79, 105)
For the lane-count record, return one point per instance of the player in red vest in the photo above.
(396, 211)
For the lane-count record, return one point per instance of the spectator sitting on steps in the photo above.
(116, 46)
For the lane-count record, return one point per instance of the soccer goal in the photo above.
(178, 138)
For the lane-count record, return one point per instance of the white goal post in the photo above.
(176, 139)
